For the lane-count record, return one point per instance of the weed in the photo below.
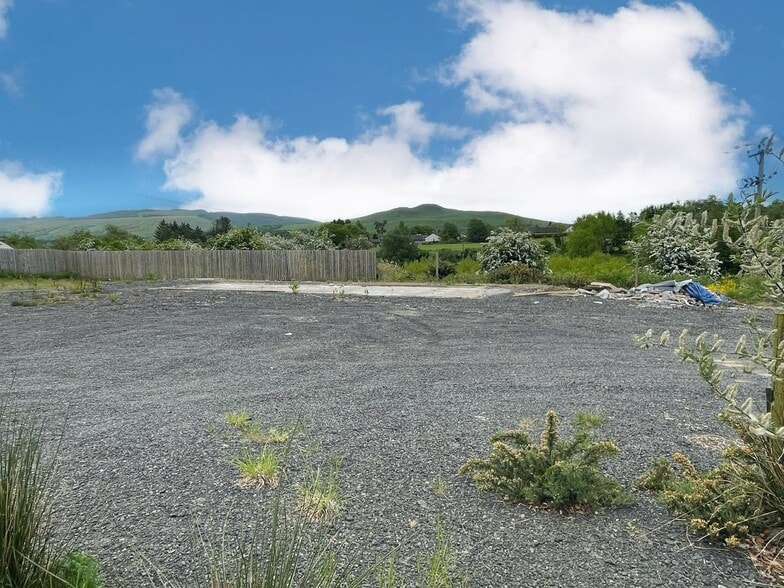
(339, 294)
(237, 418)
(294, 287)
(111, 297)
(80, 570)
(559, 473)
(439, 487)
(318, 497)
(438, 570)
(259, 470)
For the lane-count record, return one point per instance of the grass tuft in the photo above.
(259, 470)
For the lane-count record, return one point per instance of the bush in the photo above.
(676, 243)
(509, 247)
(514, 273)
(558, 473)
(715, 503)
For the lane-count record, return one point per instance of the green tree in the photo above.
(397, 246)
(477, 231)
(346, 235)
(221, 225)
(450, 233)
(422, 229)
(600, 232)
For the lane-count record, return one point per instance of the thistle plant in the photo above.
(557, 472)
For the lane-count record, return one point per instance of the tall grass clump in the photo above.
(26, 486)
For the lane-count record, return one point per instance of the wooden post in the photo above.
(777, 410)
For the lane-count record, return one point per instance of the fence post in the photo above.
(777, 384)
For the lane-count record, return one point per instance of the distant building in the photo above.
(5, 246)
(432, 238)
(418, 239)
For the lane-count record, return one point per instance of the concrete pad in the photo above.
(353, 289)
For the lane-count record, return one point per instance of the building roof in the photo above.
(5, 246)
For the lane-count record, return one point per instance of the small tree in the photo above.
(398, 247)
(506, 246)
(477, 231)
(600, 232)
(450, 233)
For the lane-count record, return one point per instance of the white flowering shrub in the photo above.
(250, 238)
(759, 246)
(676, 243)
(505, 247)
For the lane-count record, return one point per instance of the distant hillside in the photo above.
(143, 222)
(436, 216)
(138, 222)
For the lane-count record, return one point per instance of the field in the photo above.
(135, 389)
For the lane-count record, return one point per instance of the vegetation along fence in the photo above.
(322, 265)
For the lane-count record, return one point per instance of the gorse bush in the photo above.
(717, 504)
(556, 472)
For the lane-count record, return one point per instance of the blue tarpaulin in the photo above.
(701, 293)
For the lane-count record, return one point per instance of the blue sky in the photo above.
(338, 109)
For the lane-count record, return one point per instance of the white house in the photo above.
(5, 246)
(432, 238)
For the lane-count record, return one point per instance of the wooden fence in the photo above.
(319, 266)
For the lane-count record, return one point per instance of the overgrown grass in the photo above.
(28, 553)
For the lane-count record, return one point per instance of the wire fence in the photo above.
(317, 266)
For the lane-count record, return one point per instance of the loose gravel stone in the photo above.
(403, 390)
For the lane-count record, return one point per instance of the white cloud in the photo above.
(594, 112)
(23, 193)
(166, 116)
(10, 84)
(5, 5)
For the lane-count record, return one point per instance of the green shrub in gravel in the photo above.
(716, 504)
(556, 472)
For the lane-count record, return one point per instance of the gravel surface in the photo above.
(404, 390)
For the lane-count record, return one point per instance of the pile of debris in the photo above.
(687, 292)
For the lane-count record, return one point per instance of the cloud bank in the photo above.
(591, 112)
(23, 193)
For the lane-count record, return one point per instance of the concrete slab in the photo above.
(353, 289)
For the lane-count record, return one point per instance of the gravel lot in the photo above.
(403, 389)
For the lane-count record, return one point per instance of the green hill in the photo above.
(435, 216)
(138, 222)
(143, 222)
